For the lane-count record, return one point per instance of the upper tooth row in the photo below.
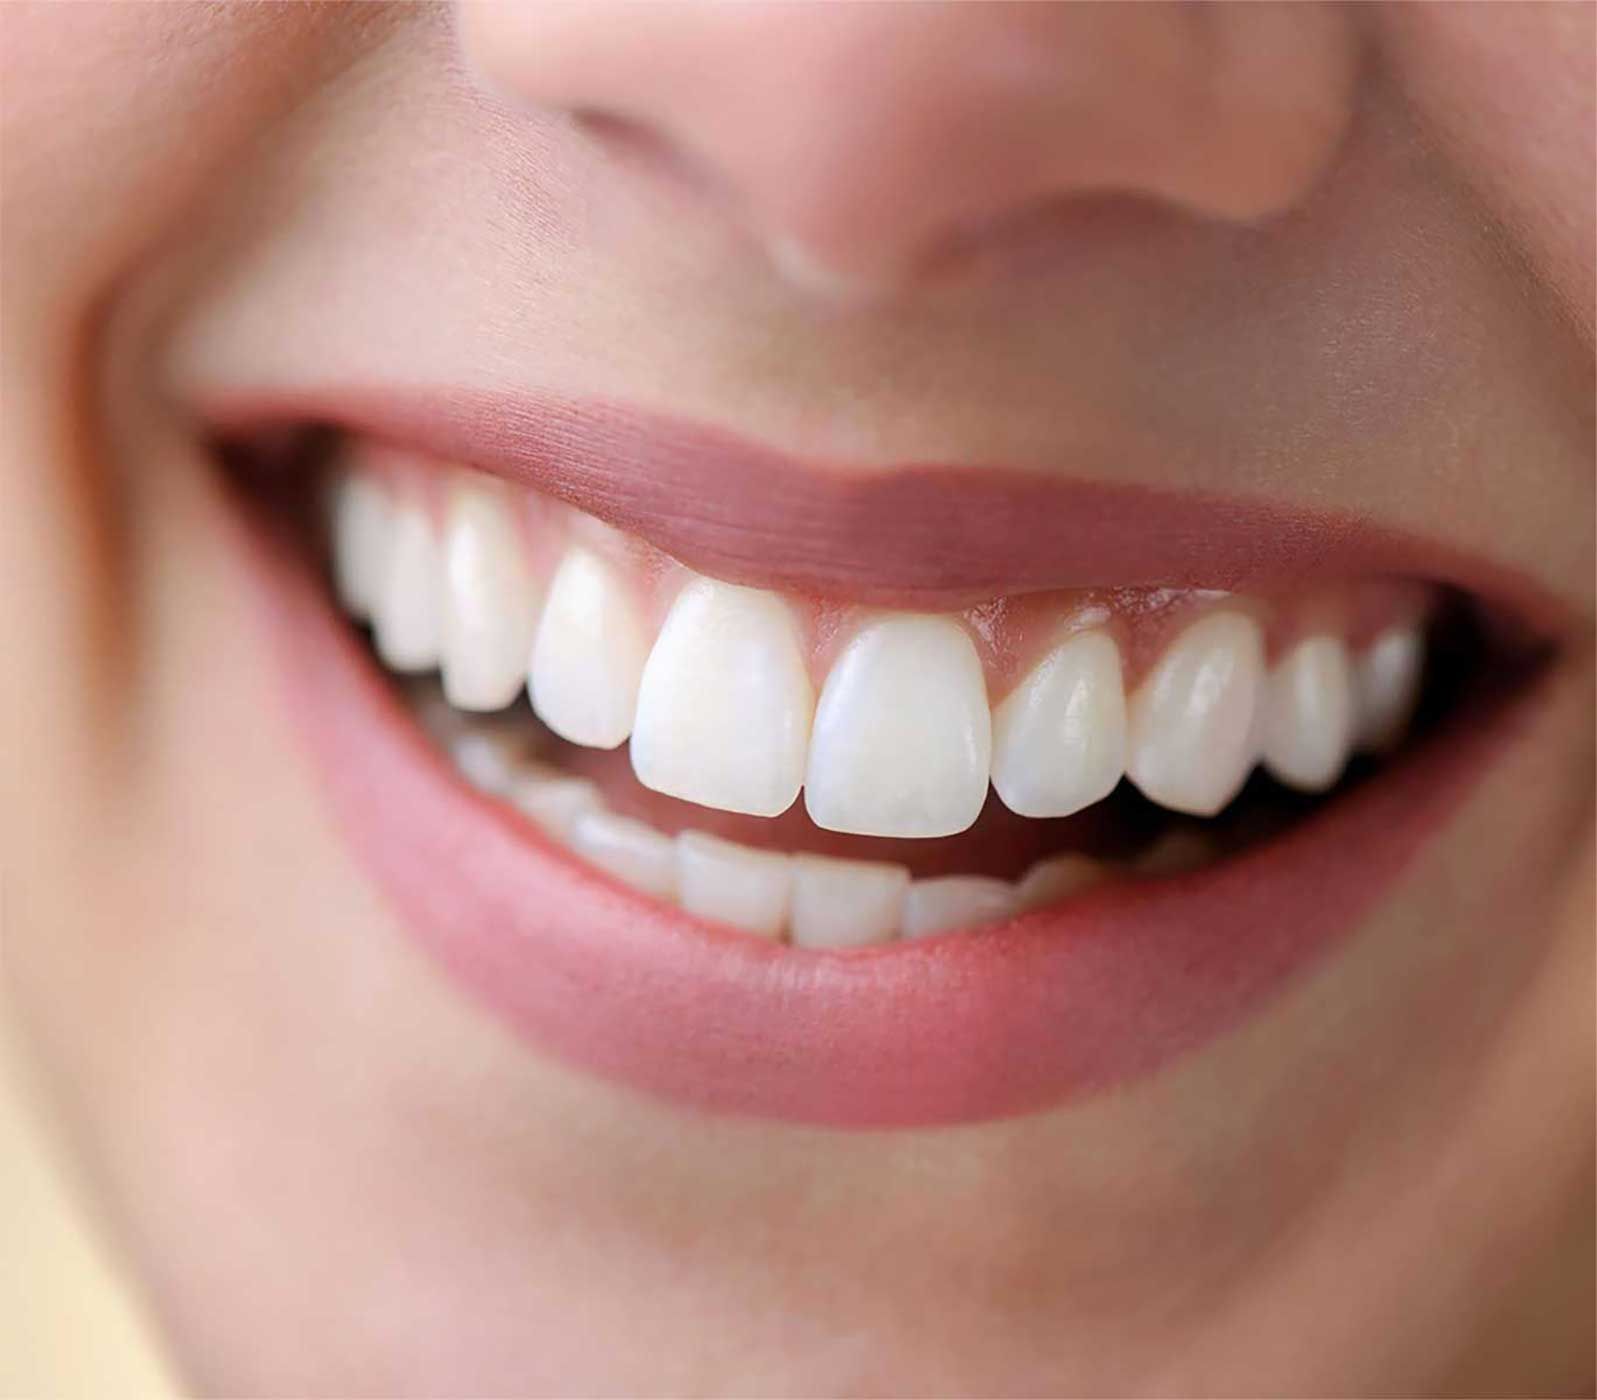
(721, 711)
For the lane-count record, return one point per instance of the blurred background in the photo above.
(67, 1328)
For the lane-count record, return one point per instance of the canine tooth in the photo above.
(955, 901)
(635, 854)
(1191, 720)
(407, 606)
(588, 655)
(902, 736)
(1059, 738)
(725, 705)
(1387, 686)
(1057, 878)
(361, 524)
(845, 903)
(732, 884)
(490, 605)
(554, 801)
(1308, 714)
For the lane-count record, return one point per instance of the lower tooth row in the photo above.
(900, 740)
(810, 900)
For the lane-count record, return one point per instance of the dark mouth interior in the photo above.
(1470, 650)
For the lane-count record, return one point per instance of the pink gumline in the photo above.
(938, 536)
(1010, 633)
(961, 1028)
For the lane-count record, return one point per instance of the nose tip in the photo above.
(857, 142)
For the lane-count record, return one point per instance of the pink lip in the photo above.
(961, 1028)
(931, 536)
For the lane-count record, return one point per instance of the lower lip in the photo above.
(1054, 1005)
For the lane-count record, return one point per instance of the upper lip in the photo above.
(914, 535)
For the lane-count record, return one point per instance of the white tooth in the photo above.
(1191, 720)
(955, 901)
(732, 884)
(1059, 738)
(845, 903)
(902, 736)
(490, 604)
(725, 705)
(408, 606)
(361, 516)
(489, 760)
(554, 801)
(635, 854)
(1387, 686)
(588, 655)
(1308, 714)
(1057, 878)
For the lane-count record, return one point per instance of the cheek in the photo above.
(135, 112)
(1509, 92)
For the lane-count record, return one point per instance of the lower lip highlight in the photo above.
(962, 1028)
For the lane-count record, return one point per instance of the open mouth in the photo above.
(845, 844)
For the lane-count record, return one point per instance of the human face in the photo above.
(855, 408)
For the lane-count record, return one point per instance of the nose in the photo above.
(861, 141)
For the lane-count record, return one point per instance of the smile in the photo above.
(911, 813)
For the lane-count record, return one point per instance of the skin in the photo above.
(1327, 257)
